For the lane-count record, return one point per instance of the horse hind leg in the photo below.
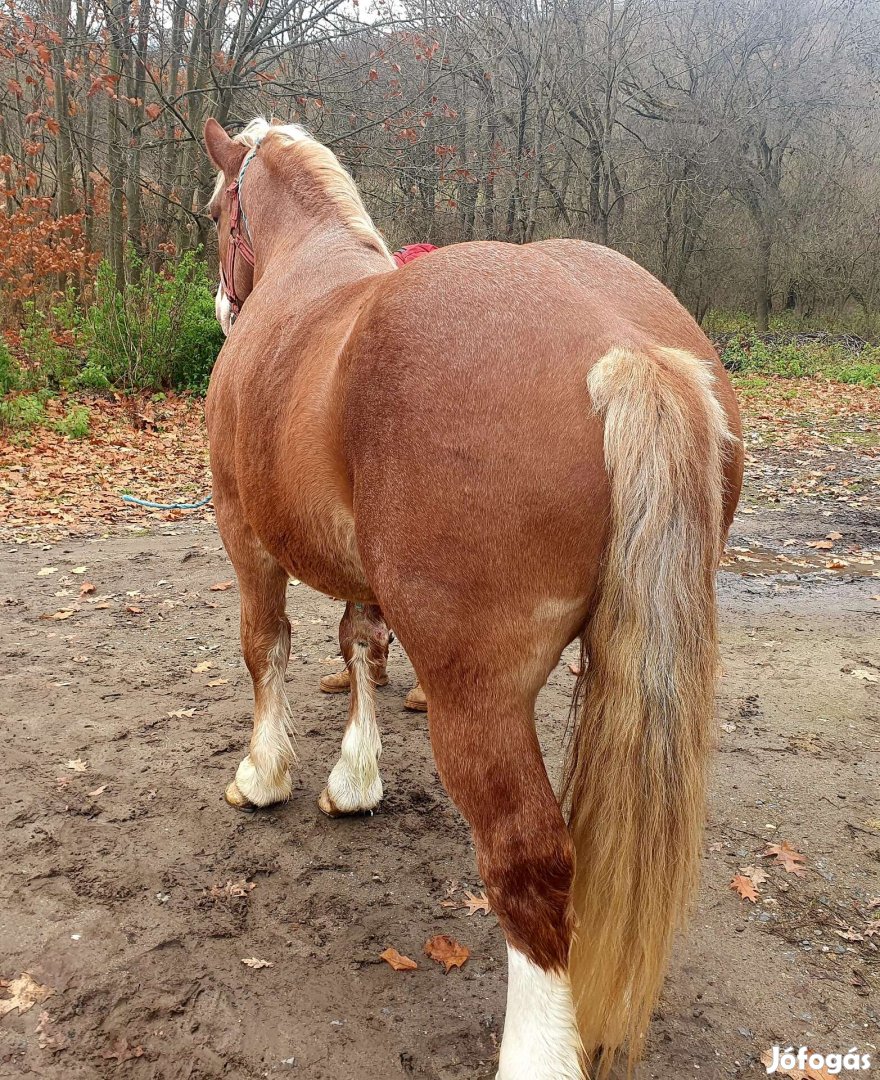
(354, 784)
(490, 762)
(263, 777)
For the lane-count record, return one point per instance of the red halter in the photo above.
(239, 242)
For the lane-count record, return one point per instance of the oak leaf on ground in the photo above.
(222, 586)
(476, 904)
(447, 951)
(397, 960)
(25, 992)
(255, 962)
(790, 859)
(744, 888)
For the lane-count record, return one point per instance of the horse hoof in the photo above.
(235, 798)
(327, 806)
(415, 700)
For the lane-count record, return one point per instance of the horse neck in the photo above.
(311, 259)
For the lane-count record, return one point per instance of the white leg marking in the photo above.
(540, 1036)
(355, 783)
(264, 775)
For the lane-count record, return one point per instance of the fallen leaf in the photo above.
(821, 545)
(836, 564)
(476, 904)
(86, 588)
(222, 586)
(747, 510)
(744, 888)
(77, 764)
(864, 673)
(134, 610)
(47, 570)
(65, 613)
(217, 682)
(787, 857)
(122, 1051)
(98, 791)
(25, 993)
(44, 1039)
(254, 962)
(182, 712)
(446, 951)
(755, 874)
(398, 961)
(234, 889)
(205, 664)
(850, 934)
(873, 928)
(79, 570)
(834, 536)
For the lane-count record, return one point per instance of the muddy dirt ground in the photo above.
(111, 882)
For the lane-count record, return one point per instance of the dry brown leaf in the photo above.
(86, 589)
(447, 951)
(787, 857)
(834, 536)
(744, 888)
(217, 682)
(182, 712)
(255, 962)
(65, 613)
(222, 586)
(203, 666)
(234, 889)
(25, 992)
(78, 569)
(822, 545)
(122, 1051)
(476, 904)
(850, 934)
(836, 564)
(755, 874)
(47, 570)
(54, 1043)
(397, 960)
(133, 610)
(76, 764)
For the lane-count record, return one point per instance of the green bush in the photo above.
(10, 373)
(798, 359)
(22, 412)
(158, 332)
(49, 364)
(75, 424)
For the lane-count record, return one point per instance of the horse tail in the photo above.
(635, 775)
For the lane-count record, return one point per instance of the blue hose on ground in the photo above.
(166, 506)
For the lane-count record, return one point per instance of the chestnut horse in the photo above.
(506, 449)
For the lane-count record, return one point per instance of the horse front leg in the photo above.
(263, 777)
(355, 784)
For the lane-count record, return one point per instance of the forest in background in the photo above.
(730, 146)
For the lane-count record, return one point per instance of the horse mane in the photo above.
(325, 169)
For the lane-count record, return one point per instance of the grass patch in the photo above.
(840, 361)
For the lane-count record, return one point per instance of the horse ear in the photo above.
(226, 154)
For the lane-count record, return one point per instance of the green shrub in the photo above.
(49, 364)
(76, 422)
(158, 332)
(22, 412)
(10, 373)
(798, 359)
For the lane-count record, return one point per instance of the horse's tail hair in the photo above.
(635, 775)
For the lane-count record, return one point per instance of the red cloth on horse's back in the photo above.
(412, 251)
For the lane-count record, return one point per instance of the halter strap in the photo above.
(239, 237)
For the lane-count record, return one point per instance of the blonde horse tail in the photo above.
(635, 777)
